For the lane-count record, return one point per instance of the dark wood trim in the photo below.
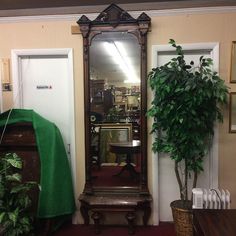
(144, 30)
(214, 222)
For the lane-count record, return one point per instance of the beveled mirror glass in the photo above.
(115, 107)
(115, 101)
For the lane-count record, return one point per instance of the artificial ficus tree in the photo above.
(186, 103)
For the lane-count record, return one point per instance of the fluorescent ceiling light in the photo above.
(121, 58)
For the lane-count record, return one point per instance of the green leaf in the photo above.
(20, 188)
(15, 177)
(172, 42)
(187, 67)
(2, 215)
(13, 216)
(25, 221)
(25, 202)
(14, 160)
(2, 190)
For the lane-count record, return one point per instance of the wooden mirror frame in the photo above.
(114, 19)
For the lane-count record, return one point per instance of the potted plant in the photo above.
(15, 217)
(185, 107)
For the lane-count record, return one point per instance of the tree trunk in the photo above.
(195, 177)
(179, 180)
(185, 180)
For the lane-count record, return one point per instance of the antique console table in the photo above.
(129, 204)
(215, 222)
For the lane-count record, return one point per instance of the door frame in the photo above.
(1, 93)
(213, 153)
(16, 56)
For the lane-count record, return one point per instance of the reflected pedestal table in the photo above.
(128, 148)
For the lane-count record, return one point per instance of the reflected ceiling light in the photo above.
(121, 58)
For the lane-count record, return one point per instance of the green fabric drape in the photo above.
(56, 197)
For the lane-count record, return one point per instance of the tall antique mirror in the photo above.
(115, 75)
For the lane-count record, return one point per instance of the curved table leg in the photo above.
(84, 212)
(96, 217)
(129, 167)
(130, 216)
(147, 214)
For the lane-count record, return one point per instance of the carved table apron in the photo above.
(128, 204)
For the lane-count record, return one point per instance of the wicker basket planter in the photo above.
(183, 217)
(1, 230)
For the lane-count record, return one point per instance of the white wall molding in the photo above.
(91, 16)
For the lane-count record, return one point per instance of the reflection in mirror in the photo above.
(232, 113)
(115, 100)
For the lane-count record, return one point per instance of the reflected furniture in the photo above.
(107, 85)
(101, 98)
(95, 146)
(215, 222)
(128, 148)
(96, 91)
(112, 132)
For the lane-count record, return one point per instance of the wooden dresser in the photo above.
(208, 222)
(20, 139)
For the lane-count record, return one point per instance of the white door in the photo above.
(43, 81)
(165, 179)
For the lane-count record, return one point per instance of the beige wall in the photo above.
(183, 28)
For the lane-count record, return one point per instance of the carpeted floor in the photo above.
(164, 229)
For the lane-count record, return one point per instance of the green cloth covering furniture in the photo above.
(56, 197)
